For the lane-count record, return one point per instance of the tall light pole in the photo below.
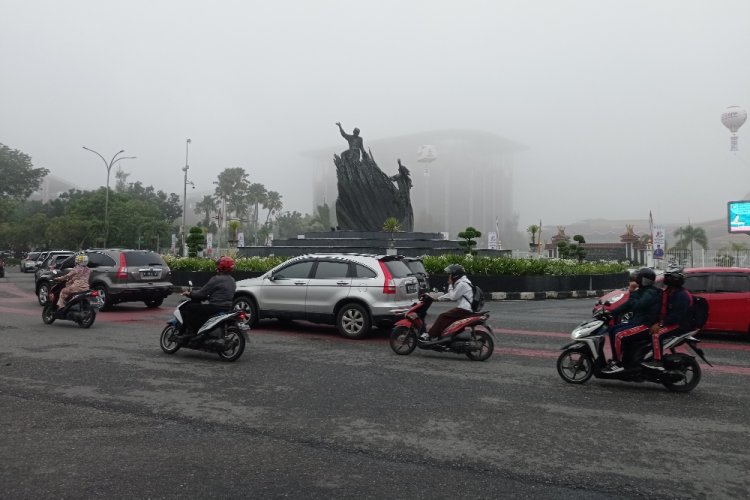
(109, 166)
(184, 194)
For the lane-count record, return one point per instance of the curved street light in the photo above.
(109, 166)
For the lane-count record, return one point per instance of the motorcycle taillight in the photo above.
(94, 293)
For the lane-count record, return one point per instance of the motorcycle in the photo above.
(584, 358)
(81, 307)
(471, 336)
(223, 334)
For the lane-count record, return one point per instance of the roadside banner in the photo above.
(240, 239)
(210, 243)
(659, 239)
(174, 242)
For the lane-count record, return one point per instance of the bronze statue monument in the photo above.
(367, 196)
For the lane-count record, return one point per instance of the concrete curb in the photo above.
(575, 294)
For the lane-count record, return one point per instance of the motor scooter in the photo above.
(81, 307)
(471, 336)
(223, 334)
(584, 357)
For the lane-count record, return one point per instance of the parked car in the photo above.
(118, 276)
(53, 260)
(417, 267)
(28, 263)
(40, 258)
(726, 289)
(351, 291)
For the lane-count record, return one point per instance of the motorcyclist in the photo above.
(218, 291)
(644, 303)
(77, 280)
(459, 289)
(675, 302)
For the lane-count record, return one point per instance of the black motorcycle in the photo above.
(81, 307)
(584, 358)
(223, 334)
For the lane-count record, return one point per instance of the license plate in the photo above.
(411, 288)
(150, 274)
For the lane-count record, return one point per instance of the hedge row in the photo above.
(488, 266)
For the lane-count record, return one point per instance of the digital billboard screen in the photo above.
(738, 216)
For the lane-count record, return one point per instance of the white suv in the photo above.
(352, 291)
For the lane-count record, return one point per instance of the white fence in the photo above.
(707, 258)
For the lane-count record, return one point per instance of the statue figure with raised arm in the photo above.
(355, 145)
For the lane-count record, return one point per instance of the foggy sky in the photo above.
(617, 102)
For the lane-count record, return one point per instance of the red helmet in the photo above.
(225, 264)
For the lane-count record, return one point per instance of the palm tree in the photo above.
(689, 234)
(272, 203)
(532, 230)
(256, 195)
(391, 225)
(206, 206)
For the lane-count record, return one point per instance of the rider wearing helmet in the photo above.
(77, 280)
(218, 291)
(675, 302)
(459, 289)
(644, 303)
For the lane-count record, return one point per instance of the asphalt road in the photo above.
(307, 414)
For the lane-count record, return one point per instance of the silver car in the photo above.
(352, 291)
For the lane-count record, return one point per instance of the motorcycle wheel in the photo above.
(87, 318)
(692, 372)
(233, 336)
(575, 366)
(48, 314)
(167, 341)
(486, 349)
(403, 340)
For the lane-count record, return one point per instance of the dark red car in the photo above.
(726, 289)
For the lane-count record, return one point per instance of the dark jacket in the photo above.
(219, 291)
(645, 303)
(675, 305)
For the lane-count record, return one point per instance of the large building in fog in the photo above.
(460, 178)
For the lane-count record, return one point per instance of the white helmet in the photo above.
(82, 259)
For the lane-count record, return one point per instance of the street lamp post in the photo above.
(184, 194)
(109, 166)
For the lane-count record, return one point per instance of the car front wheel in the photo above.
(101, 289)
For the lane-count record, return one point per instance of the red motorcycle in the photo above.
(471, 336)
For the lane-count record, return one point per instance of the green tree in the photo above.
(232, 185)
(532, 230)
(391, 225)
(273, 204)
(256, 196)
(321, 221)
(468, 235)
(194, 241)
(572, 250)
(290, 224)
(206, 206)
(18, 178)
(689, 234)
(121, 182)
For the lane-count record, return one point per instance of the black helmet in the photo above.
(674, 278)
(645, 277)
(455, 271)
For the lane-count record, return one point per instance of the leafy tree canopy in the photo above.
(19, 177)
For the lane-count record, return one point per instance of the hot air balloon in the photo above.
(733, 118)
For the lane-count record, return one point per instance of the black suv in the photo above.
(417, 268)
(118, 276)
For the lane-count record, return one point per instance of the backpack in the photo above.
(478, 303)
(697, 312)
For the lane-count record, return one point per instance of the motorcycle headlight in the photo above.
(586, 329)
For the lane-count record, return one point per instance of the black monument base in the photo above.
(411, 244)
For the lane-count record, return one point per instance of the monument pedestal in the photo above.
(412, 244)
